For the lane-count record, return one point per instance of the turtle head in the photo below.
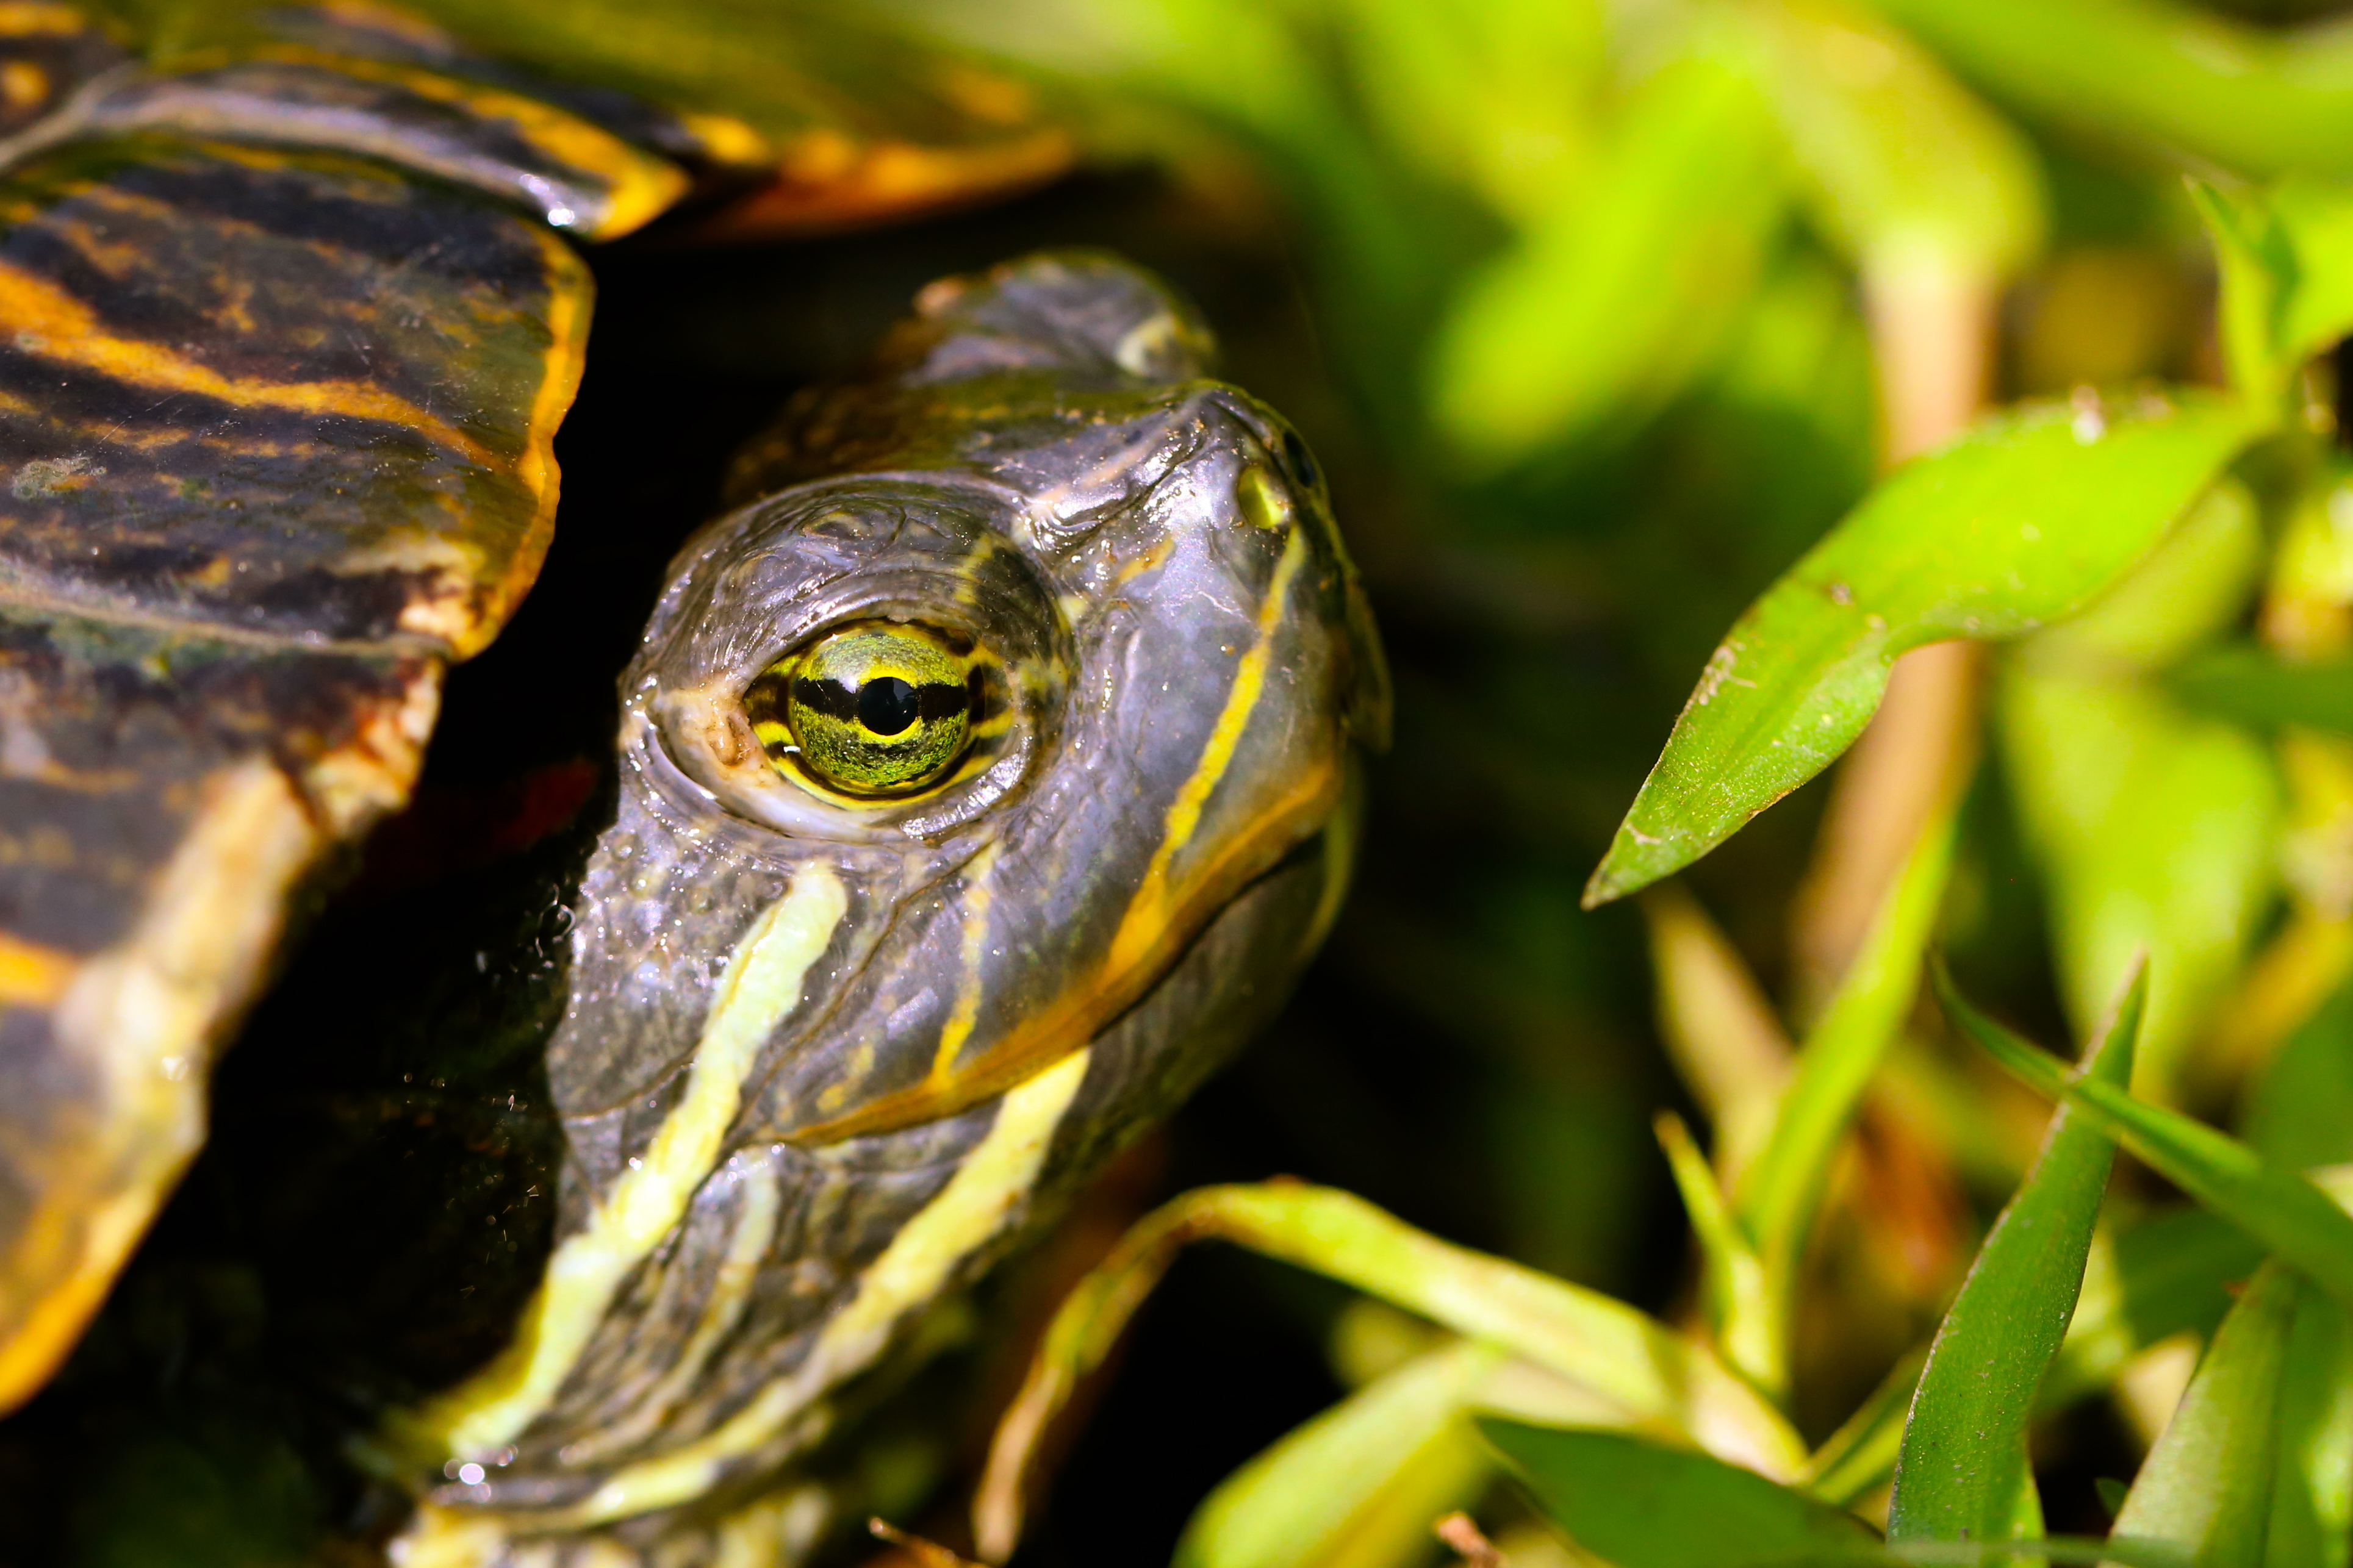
(976, 798)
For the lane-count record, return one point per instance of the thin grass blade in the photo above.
(2280, 1207)
(1720, 1031)
(1356, 1487)
(2206, 1486)
(1740, 1304)
(1653, 1377)
(1783, 1190)
(2311, 1484)
(1963, 1472)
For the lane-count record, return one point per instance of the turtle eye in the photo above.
(876, 709)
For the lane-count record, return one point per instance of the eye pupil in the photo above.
(887, 705)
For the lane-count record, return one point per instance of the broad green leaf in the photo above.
(1629, 281)
(1963, 1469)
(2253, 686)
(2282, 1208)
(2256, 98)
(2170, 1274)
(2300, 1112)
(2312, 1492)
(1905, 166)
(2206, 1486)
(1639, 1505)
(2193, 587)
(2287, 276)
(1649, 1376)
(1782, 1189)
(2016, 524)
(2157, 830)
(1356, 1487)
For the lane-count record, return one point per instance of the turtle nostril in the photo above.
(887, 705)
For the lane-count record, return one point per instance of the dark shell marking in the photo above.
(275, 435)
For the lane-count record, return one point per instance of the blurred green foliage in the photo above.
(1624, 306)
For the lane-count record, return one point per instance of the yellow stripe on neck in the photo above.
(761, 985)
(731, 1291)
(970, 1211)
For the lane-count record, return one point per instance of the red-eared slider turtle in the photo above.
(982, 777)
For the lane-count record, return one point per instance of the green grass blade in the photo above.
(1639, 1505)
(1356, 1487)
(2020, 523)
(1719, 1028)
(2312, 1492)
(2253, 686)
(1740, 1305)
(1782, 1188)
(2170, 1274)
(2206, 1486)
(1649, 1376)
(1858, 1458)
(2280, 1207)
(1963, 1469)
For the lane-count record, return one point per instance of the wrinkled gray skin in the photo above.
(1038, 463)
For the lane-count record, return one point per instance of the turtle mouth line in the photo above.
(1122, 978)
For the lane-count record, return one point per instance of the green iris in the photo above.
(877, 708)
